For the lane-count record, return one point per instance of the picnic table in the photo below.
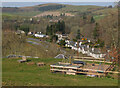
(40, 64)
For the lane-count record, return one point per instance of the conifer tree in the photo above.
(92, 20)
(78, 34)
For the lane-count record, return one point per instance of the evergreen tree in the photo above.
(47, 30)
(63, 27)
(25, 28)
(16, 26)
(92, 20)
(54, 38)
(95, 31)
(62, 43)
(57, 27)
(78, 34)
(51, 30)
(84, 16)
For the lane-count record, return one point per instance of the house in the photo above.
(67, 41)
(64, 36)
(83, 48)
(39, 35)
(86, 49)
(69, 14)
(30, 33)
(61, 36)
(20, 32)
(31, 19)
(53, 21)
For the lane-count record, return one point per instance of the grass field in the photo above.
(19, 74)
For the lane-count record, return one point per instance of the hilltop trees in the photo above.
(50, 7)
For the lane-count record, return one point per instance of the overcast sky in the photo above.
(59, 0)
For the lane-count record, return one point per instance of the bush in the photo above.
(54, 38)
(62, 43)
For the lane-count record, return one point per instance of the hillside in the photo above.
(36, 34)
(22, 45)
(34, 10)
(78, 17)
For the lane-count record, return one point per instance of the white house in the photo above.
(40, 35)
(59, 35)
(30, 33)
(67, 41)
(88, 46)
(88, 40)
(80, 43)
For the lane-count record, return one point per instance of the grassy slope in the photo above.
(73, 8)
(22, 74)
(31, 11)
(104, 12)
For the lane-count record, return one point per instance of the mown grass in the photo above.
(19, 74)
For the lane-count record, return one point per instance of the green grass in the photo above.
(97, 17)
(29, 14)
(77, 9)
(19, 74)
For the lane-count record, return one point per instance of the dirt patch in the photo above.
(53, 14)
(48, 13)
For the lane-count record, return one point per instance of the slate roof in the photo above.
(61, 56)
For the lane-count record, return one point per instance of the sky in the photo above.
(59, 0)
(25, 4)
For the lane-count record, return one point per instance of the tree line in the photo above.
(54, 28)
